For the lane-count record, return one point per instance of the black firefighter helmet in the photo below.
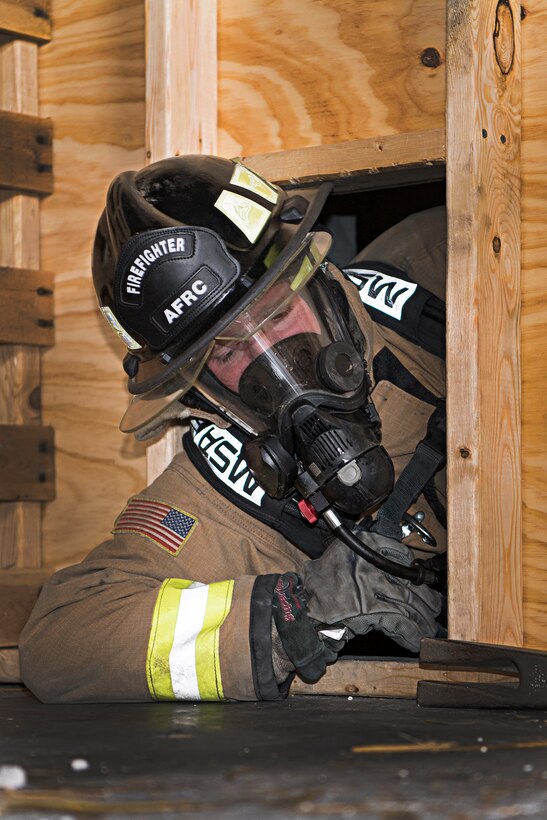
(182, 247)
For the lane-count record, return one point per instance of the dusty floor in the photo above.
(305, 757)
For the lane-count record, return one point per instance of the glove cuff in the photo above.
(302, 645)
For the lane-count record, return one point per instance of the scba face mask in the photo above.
(289, 372)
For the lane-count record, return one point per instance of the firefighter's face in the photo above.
(230, 359)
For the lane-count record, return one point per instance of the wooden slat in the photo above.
(16, 604)
(20, 367)
(483, 307)
(382, 679)
(181, 113)
(9, 666)
(26, 18)
(181, 78)
(358, 164)
(27, 154)
(26, 463)
(534, 322)
(26, 307)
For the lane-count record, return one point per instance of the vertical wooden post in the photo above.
(483, 341)
(19, 247)
(181, 110)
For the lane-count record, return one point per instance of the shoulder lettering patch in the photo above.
(382, 291)
(165, 525)
(224, 452)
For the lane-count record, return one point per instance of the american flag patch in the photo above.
(167, 526)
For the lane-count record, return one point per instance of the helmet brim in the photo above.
(154, 373)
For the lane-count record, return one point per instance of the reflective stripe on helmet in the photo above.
(245, 178)
(249, 216)
(183, 652)
(120, 331)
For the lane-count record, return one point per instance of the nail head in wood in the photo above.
(431, 58)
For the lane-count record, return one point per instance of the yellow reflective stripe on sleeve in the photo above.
(161, 638)
(183, 652)
(219, 602)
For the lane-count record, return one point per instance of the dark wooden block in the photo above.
(28, 19)
(26, 307)
(26, 463)
(26, 158)
(16, 603)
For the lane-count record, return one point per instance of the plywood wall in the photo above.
(534, 321)
(92, 85)
(313, 72)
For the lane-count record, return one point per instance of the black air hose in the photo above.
(417, 573)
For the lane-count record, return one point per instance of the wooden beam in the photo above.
(20, 534)
(9, 666)
(367, 677)
(27, 154)
(483, 308)
(26, 307)
(26, 18)
(181, 112)
(16, 604)
(26, 463)
(181, 78)
(358, 164)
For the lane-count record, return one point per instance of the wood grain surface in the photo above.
(357, 164)
(27, 471)
(92, 86)
(382, 678)
(26, 307)
(483, 322)
(317, 72)
(20, 370)
(534, 322)
(26, 18)
(9, 666)
(26, 160)
(181, 115)
(16, 603)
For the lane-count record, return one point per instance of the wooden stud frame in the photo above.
(382, 162)
(25, 169)
(483, 308)
(20, 369)
(181, 112)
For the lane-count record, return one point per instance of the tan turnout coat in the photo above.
(136, 622)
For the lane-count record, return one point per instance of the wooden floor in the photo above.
(304, 757)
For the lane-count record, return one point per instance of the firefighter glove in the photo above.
(296, 644)
(344, 589)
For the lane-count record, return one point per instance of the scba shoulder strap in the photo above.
(218, 455)
(418, 316)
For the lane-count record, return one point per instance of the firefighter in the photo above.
(309, 495)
